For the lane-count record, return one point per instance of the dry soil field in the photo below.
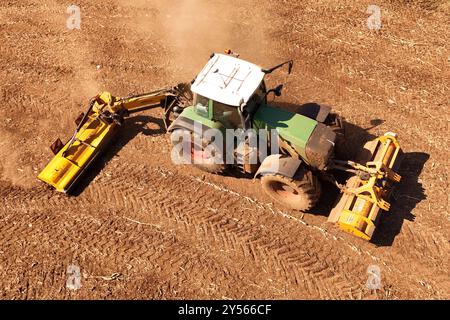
(143, 228)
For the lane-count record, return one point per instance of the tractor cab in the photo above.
(229, 90)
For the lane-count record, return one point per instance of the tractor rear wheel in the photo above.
(299, 193)
(205, 155)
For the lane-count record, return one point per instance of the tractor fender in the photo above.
(189, 125)
(188, 120)
(315, 111)
(279, 164)
(181, 123)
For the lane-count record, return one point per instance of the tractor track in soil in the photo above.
(145, 228)
(216, 226)
(277, 245)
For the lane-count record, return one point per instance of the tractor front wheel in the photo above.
(300, 193)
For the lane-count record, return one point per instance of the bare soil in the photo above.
(141, 227)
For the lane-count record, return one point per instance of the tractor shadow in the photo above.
(405, 197)
(356, 137)
(129, 130)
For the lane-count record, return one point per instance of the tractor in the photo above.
(293, 154)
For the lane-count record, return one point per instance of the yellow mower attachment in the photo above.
(366, 193)
(95, 128)
(90, 137)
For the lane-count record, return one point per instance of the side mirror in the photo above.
(277, 90)
(291, 64)
(242, 105)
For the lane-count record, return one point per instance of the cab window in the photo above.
(201, 105)
(227, 114)
(256, 99)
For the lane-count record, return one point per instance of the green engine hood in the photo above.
(292, 127)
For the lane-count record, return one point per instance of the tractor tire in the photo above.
(299, 193)
(207, 167)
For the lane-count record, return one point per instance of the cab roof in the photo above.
(228, 80)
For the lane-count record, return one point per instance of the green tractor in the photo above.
(231, 94)
(224, 120)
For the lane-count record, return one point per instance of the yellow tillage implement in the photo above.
(357, 212)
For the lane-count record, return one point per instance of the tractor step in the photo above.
(358, 210)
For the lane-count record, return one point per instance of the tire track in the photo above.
(97, 235)
(230, 230)
(219, 218)
(226, 233)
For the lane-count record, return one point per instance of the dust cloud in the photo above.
(193, 29)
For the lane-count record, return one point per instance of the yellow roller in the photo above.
(358, 210)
